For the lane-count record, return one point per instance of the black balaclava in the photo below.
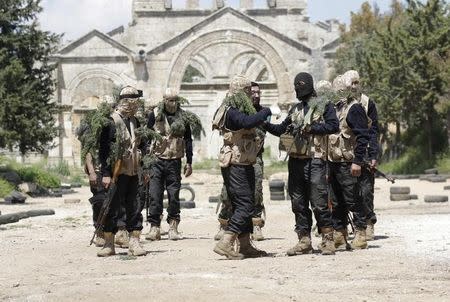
(304, 86)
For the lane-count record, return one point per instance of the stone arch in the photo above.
(93, 73)
(263, 48)
(257, 65)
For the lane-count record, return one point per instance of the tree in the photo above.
(403, 58)
(27, 115)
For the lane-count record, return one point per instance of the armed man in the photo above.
(346, 154)
(92, 170)
(303, 135)
(119, 155)
(169, 120)
(367, 178)
(237, 120)
(225, 213)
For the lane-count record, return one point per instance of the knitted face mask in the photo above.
(170, 105)
(128, 107)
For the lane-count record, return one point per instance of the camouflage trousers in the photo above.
(227, 210)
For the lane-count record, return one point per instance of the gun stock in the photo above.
(107, 203)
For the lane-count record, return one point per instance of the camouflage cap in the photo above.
(324, 85)
(238, 83)
(170, 93)
(349, 77)
(129, 92)
(338, 83)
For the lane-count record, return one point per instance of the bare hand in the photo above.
(187, 170)
(356, 170)
(373, 164)
(146, 178)
(106, 181)
(93, 179)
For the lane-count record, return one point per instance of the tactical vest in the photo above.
(364, 101)
(311, 146)
(240, 147)
(342, 145)
(168, 147)
(132, 155)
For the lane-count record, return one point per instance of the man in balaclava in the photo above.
(165, 173)
(118, 143)
(303, 135)
(237, 120)
(226, 208)
(346, 154)
(367, 179)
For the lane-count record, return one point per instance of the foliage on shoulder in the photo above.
(241, 102)
(183, 119)
(404, 61)
(91, 128)
(27, 113)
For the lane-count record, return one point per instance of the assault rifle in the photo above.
(107, 203)
(375, 171)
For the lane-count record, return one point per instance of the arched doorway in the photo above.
(203, 69)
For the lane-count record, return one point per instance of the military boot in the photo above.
(247, 249)
(108, 248)
(258, 223)
(122, 238)
(327, 246)
(370, 231)
(154, 234)
(225, 247)
(135, 248)
(173, 230)
(340, 240)
(303, 246)
(222, 225)
(359, 242)
(99, 240)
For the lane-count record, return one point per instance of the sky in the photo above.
(75, 18)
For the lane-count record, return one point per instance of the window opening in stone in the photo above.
(192, 75)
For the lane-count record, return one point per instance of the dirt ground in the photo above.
(49, 258)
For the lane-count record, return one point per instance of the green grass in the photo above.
(206, 164)
(443, 163)
(5, 188)
(413, 162)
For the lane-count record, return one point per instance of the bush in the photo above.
(39, 176)
(5, 188)
(411, 162)
(62, 168)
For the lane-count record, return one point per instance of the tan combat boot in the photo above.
(359, 242)
(258, 223)
(135, 248)
(247, 249)
(222, 225)
(327, 246)
(154, 234)
(370, 231)
(173, 230)
(99, 240)
(303, 245)
(108, 248)
(225, 247)
(340, 240)
(122, 238)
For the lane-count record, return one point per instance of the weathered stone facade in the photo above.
(196, 51)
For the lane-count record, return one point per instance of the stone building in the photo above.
(196, 51)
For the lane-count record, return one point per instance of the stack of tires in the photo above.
(276, 188)
(401, 193)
